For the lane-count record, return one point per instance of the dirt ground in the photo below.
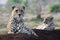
(42, 35)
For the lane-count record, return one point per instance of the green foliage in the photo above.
(54, 8)
(58, 0)
(22, 2)
(37, 19)
(2, 25)
(14, 1)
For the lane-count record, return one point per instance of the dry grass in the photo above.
(29, 21)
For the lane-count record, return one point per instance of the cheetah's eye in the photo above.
(16, 10)
(21, 10)
(46, 19)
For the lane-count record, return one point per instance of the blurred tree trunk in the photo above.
(40, 4)
(38, 9)
(38, 15)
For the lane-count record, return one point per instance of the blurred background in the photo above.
(35, 11)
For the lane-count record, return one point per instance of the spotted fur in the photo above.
(16, 24)
(48, 24)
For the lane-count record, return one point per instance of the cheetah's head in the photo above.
(18, 11)
(48, 20)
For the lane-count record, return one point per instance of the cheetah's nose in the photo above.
(19, 15)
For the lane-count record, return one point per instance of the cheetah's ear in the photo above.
(13, 7)
(23, 7)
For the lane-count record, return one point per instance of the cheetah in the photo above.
(48, 24)
(16, 24)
